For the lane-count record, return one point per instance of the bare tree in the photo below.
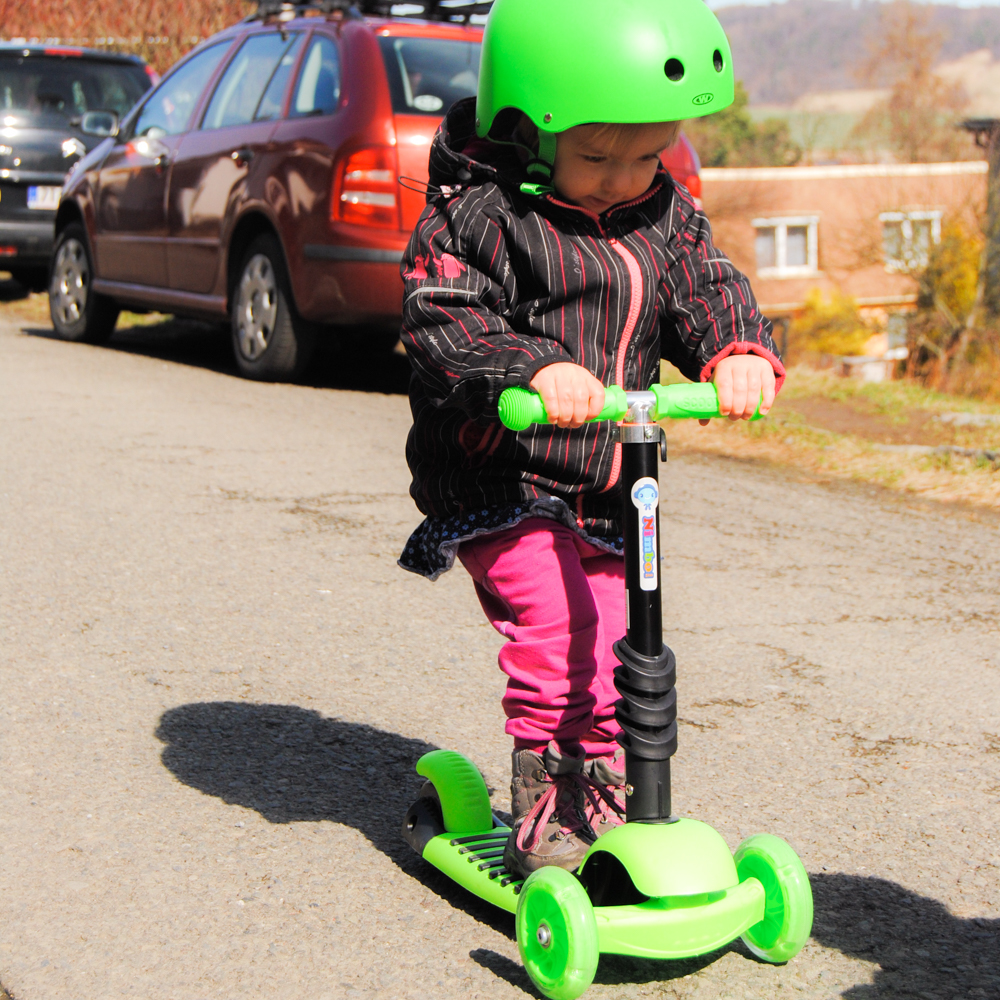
(917, 121)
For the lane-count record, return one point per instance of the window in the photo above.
(787, 248)
(907, 238)
(318, 92)
(427, 75)
(271, 103)
(242, 86)
(897, 329)
(169, 110)
(48, 91)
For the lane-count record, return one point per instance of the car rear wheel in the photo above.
(78, 313)
(270, 341)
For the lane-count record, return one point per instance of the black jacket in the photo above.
(500, 283)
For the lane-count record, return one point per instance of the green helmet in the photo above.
(571, 62)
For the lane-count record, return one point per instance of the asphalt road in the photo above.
(215, 681)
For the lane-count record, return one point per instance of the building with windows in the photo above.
(865, 229)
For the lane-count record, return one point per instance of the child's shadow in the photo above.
(291, 764)
(920, 948)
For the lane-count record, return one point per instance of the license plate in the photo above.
(45, 198)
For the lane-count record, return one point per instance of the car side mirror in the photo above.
(102, 123)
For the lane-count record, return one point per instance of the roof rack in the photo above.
(426, 10)
(285, 11)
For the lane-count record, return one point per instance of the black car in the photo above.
(55, 105)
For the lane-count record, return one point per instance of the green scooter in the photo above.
(658, 886)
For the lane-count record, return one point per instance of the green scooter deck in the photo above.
(475, 862)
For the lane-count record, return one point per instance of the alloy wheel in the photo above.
(71, 282)
(256, 306)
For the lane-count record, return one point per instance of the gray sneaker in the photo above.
(547, 802)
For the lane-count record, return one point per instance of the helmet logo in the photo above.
(703, 99)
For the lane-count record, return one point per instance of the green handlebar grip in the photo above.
(698, 400)
(520, 408)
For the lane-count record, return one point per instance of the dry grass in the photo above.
(33, 310)
(158, 30)
(882, 414)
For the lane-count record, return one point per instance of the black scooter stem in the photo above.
(647, 710)
(644, 629)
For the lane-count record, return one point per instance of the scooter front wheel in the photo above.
(788, 902)
(557, 933)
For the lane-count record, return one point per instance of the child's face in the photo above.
(595, 172)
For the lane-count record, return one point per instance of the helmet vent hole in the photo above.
(674, 69)
(717, 61)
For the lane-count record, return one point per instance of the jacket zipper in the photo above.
(634, 305)
(612, 211)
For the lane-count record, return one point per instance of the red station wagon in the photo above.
(272, 178)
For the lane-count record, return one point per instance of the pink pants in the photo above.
(561, 603)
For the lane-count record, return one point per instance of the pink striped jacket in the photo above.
(500, 283)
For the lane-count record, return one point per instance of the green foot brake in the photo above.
(453, 828)
(465, 802)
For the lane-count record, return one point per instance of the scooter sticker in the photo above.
(646, 497)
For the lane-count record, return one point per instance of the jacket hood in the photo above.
(459, 157)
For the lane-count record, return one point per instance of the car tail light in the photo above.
(693, 184)
(8, 251)
(154, 77)
(365, 190)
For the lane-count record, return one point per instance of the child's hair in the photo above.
(617, 134)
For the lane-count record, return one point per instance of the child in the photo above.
(557, 253)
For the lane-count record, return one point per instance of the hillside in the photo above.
(782, 51)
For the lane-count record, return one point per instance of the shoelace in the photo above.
(552, 802)
(605, 804)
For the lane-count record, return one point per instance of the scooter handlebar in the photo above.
(520, 408)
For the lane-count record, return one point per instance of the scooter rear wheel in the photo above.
(557, 933)
(788, 902)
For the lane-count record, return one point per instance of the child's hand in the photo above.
(740, 380)
(570, 393)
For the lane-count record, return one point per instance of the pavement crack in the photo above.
(877, 749)
(725, 703)
(686, 722)
(324, 520)
(797, 665)
(323, 511)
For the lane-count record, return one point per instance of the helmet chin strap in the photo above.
(540, 168)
